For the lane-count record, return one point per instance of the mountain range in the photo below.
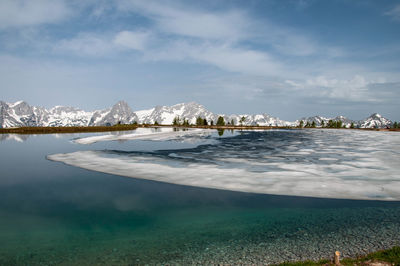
(21, 114)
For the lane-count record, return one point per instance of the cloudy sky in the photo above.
(289, 58)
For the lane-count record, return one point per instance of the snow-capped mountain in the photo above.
(375, 121)
(166, 114)
(20, 114)
(321, 121)
(260, 119)
(119, 113)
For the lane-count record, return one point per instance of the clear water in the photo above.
(56, 214)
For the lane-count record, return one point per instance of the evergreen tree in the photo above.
(322, 123)
(211, 123)
(155, 123)
(308, 124)
(176, 121)
(301, 124)
(339, 124)
(220, 121)
(199, 121)
(395, 125)
(232, 122)
(242, 119)
(205, 123)
(313, 124)
(352, 125)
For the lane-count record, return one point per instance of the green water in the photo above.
(54, 214)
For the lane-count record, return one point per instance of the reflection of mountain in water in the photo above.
(16, 137)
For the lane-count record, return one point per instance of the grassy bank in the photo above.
(390, 256)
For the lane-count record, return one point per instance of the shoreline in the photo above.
(94, 129)
(384, 257)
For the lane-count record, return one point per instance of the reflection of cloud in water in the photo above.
(318, 163)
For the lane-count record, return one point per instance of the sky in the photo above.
(286, 58)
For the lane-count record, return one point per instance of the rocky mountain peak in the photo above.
(22, 114)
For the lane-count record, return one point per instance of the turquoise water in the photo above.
(56, 214)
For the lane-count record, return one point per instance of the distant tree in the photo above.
(352, 125)
(232, 122)
(199, 121)
(211, 123)
(313, 124)
(220, 121)
(301, 124)
(156, 123)
(242, 119)
(135, 122)
(308, 124)
(339, 124)
(205, 122)
(119, 123)
(176, 122)
(322, 123)
(395, 125)
(186, 122)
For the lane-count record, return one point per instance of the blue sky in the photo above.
(289, 58)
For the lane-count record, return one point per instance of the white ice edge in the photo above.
(312, 181)
(164, 134)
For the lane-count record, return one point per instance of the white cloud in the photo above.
(221, 55)
(85, 44)
(394, 12)
(99, 45)
(357, 88)
(171, 18)
(17, 13)
(132, 40)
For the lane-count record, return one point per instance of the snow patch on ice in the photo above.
(145, 134)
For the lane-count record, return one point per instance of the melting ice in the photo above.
(348, 164)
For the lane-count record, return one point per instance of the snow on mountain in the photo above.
(375, 121)
(119, 113)
(17, 114)
(66, 116)
(144, 114)
(254, 120)
(22, 114)
(318, 120)
(165, 114)
(345, 121)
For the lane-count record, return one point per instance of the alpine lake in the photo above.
(76, 211)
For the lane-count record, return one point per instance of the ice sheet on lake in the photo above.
(147, 134)
(317, 163)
